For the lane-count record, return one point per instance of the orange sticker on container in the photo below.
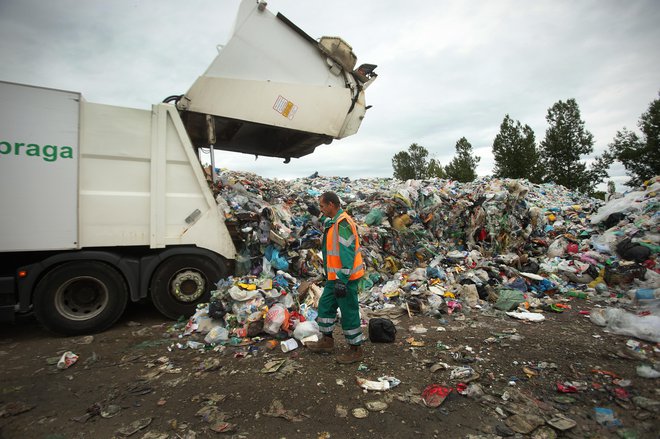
(285, 107)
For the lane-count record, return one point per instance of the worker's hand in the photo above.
(313, 210)
(340, 289)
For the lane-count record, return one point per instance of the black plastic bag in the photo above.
(633, 252)
(381, 330)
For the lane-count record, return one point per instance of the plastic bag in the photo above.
(381, 330)
(217, 334)
(374, 217)
(509, 299)
(306, 329)
(243, 263)
(275, 318)
(276, 261)
(469, 295)
(622, 322)
(67, 359)
(286, 300)
(365, 284)
(435, 305)
(557, 248)
(597, 317)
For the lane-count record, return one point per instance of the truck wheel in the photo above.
(80, 297)
(181, 282)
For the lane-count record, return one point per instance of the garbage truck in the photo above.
(104, 204)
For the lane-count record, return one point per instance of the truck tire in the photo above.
(181, 282)
(80, 297)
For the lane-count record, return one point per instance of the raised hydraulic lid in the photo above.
(273, 90)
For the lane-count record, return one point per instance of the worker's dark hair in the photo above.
(331, 197)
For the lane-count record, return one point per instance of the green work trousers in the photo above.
(350, 312)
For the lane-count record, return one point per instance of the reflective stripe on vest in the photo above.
(333, 258)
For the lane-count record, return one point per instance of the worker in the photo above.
(343, 265)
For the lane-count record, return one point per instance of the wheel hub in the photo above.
(188, 286)
(81, 298)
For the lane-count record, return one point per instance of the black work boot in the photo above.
(326, 344)
(351, 355)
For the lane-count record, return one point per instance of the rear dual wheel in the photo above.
(181, 282)
(80, 297)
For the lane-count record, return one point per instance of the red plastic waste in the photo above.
(435, 394)
(566, 388)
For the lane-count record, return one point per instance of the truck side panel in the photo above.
(141, 183)
(38, 168)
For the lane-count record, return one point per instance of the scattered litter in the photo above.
(110, 411)
(383, 383)
(562, 423)
(527, 316)
(273, 366)
(605, 416)
(376, 406)
(66, 360)
(418, 329)
(134, 427)
(277, 410)
(646, 371)
(341, 411)
(224, 427)
(435, 394)
(289, 345)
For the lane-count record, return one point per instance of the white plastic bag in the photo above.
(622, 322)
(286, 300)
(557, 248)
(275, 317)
(597, 317)
(527, 316)
(306, 329)
(217, 334)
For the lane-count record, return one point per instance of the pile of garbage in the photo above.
(435, 247)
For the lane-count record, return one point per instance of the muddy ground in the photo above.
(134, 376)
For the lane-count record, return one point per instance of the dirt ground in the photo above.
(134, 375)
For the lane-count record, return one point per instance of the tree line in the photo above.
(557, 158)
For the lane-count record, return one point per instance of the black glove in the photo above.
(340, 289)
(313, 210)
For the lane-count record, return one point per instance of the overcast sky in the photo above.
(447, 69)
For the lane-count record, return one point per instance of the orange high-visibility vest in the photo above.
(333, 259)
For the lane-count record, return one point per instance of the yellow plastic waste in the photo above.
(391, 264)
(401, 222)
(598, 280)
(394, 293)
(249, 287)
(404, 199)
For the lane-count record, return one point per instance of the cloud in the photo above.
(447, 69)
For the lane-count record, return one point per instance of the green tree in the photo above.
(463, 167)
(640, 156)
(435, 169)
(566, 141)
(515, 152)
(413, 164)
